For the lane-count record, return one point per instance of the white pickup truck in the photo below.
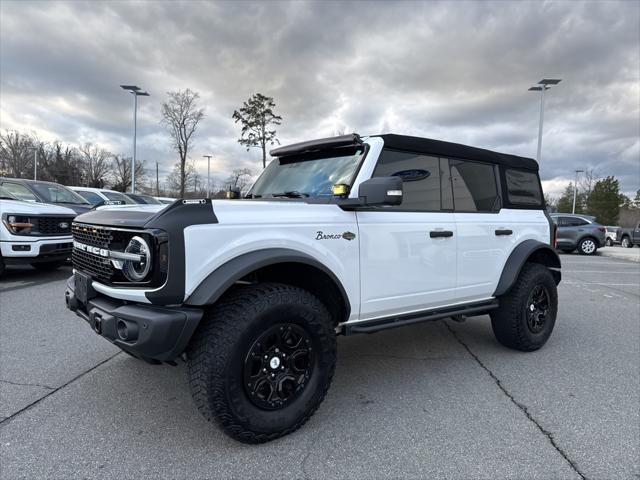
(341, 235)
(36, 234)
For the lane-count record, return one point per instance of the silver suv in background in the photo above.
(579, 232)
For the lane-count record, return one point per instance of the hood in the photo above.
(78, 208)
(135, 216)
(32, 208)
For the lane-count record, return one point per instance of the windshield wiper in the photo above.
(290, 194)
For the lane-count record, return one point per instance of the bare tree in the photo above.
(96, 163)
(178, 181)
(588, 180)
(121, 173)
(181, 116)
(256, 117)
(16, 154)
(240, 178)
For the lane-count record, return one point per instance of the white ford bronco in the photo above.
(338, 236)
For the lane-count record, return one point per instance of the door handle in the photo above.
(440, 233)
(504, 231)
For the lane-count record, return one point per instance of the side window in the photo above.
(578, 222)
(20, 191)
(474, 186)
(445, 184)
(91, 197)
(420, 177)
(564, 221)
(523, 188)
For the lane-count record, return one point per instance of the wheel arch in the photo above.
(280, 265)
(532, 251)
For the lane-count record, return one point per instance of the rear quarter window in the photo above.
(523, 188)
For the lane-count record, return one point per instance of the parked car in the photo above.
(580, 232)
(628, 237)
(343, 235)
(33, 233)
(45, 192)
(165, 200)
(611, 233)
(143, 199)
(100, 195)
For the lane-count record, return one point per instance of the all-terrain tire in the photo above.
(588, 246)
(510, 322)
(2, 266)
(47, 266)
(219, 351)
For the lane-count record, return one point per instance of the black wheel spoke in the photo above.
(537, 308)
(278, 366)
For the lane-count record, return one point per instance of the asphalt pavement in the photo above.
(435, 400)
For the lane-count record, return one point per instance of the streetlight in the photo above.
(35, 162)
(208, 157)
(135, 91)
(543, 86)
(575, 191)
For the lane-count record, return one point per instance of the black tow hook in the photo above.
(96, 322)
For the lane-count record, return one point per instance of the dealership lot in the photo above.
(441, 399)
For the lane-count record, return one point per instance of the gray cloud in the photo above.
(452, 70)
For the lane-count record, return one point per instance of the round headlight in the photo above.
(136, 271)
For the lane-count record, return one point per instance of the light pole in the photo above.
(543, 85)
(35, 163)
(575, 191)
(135, 91)
(208, 157)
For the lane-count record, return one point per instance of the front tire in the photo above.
(587, 246)
(262, 360)
(527, 313)
(609, 242)
(626, 242)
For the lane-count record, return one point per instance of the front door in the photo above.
(407, 252)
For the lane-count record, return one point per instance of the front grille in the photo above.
(53, 225)
(94, 236)
(98, 267)
(56, 249)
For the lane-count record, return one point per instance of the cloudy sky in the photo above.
(456, 71)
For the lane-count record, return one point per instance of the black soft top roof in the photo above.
(455, 150)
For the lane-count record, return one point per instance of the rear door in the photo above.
(408, 252)
(485, 234)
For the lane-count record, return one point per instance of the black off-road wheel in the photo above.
(527, 313)
(262, 360)
(47, 266)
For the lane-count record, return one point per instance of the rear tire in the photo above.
(46, 266)
(587, 246)
(527, 313)
(262, 360)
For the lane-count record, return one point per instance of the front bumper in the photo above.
(25, 252)
(149, 332)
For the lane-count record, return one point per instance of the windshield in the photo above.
(6, 194)
(52, 193)
(118, 197)
(308, 175)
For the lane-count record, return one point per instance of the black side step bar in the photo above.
(378, 324)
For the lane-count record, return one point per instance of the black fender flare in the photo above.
(529, 250)
(218, 281)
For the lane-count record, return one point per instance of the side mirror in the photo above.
(233, 193)
(379, 191)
